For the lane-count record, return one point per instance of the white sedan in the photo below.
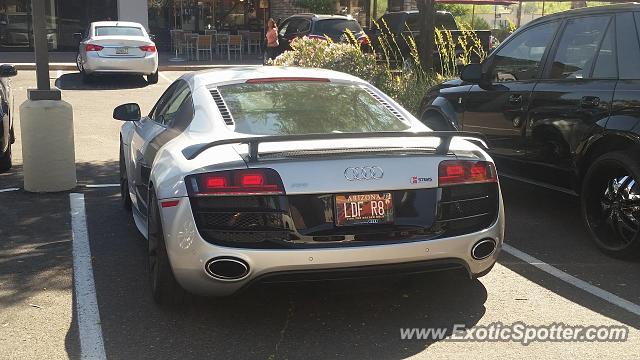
(117, 47)
(243, 175)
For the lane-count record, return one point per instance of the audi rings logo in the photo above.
(363, 173)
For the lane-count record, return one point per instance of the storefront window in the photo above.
(200, 15)
(63, 19)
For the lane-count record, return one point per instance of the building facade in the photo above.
(66, 17)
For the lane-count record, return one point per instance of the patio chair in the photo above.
(222, 43)
(176, 39)
(235, 45)
(254, 41)
(204, 43)
(188, 44)
(245, 37)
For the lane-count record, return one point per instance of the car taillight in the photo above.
(363, 40)
(148, 48)
(93, 47)
(454, 172)
(236, 182)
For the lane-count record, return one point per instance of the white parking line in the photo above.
(580, 284)
(90, 331)
(165, 77)
(9, 189)
(101, 185)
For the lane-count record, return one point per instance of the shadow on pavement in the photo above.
(547, 225)
(351, 319)
(73, 81)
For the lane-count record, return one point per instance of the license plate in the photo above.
(122, 51)
(361, 209)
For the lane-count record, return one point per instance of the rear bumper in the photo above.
(141, 66)
(189, 252)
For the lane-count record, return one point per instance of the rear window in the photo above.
(293, 108)
(118, 31)
(334, 28)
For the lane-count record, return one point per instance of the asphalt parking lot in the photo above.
(557, 275)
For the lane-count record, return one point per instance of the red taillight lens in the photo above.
(363, 40)
(149, 48)
(93, 47)
(169, 203)
(453, 172)
(236, 182)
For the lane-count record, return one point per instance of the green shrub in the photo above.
(406, 87)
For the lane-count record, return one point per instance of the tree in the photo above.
(426, 38)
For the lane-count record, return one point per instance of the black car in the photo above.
(390, 34)
(320, 27)
(559, 102)
(6, 123)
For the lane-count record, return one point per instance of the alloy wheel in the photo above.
(620, 205)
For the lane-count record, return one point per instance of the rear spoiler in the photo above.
(191, 152)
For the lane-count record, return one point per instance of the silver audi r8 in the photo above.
(269, 174)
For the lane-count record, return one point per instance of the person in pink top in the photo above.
(272, 39)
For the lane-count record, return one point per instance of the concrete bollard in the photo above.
(47, 145)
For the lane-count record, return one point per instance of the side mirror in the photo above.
(7, 70)
(472, 73)
(77, 36)
(127, 112)
(153, 37)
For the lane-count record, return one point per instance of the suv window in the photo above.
(628, 46)
(578, 47)
(335, 28)
(520, 58)
(606, 66)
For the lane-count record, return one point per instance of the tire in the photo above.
(125, 198)
(165, 289)
(6, 160)
(611, 204)
(435, 121)
(152, 78)
(79, 63)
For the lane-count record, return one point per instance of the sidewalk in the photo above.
(67, 61)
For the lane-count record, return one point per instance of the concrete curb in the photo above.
(72, 66)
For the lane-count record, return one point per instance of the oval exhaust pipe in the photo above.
(227, 268)
(483, 249)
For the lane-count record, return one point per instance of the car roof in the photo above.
(321, 16)
(595, 10)
(116, 23)
(240, 74)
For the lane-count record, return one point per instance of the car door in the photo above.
(497, 107)
(148, 128)
(573, 99)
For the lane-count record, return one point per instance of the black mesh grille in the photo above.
(467, 208)
(246, 237)
(240, 220)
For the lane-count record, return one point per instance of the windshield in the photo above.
(334, 28)
(118, 31)
(293, 108)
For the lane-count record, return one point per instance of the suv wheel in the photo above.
(611, 204)
(164, 287)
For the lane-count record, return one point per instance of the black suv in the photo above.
(6, 123)
(559, 102)
(319, 26)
